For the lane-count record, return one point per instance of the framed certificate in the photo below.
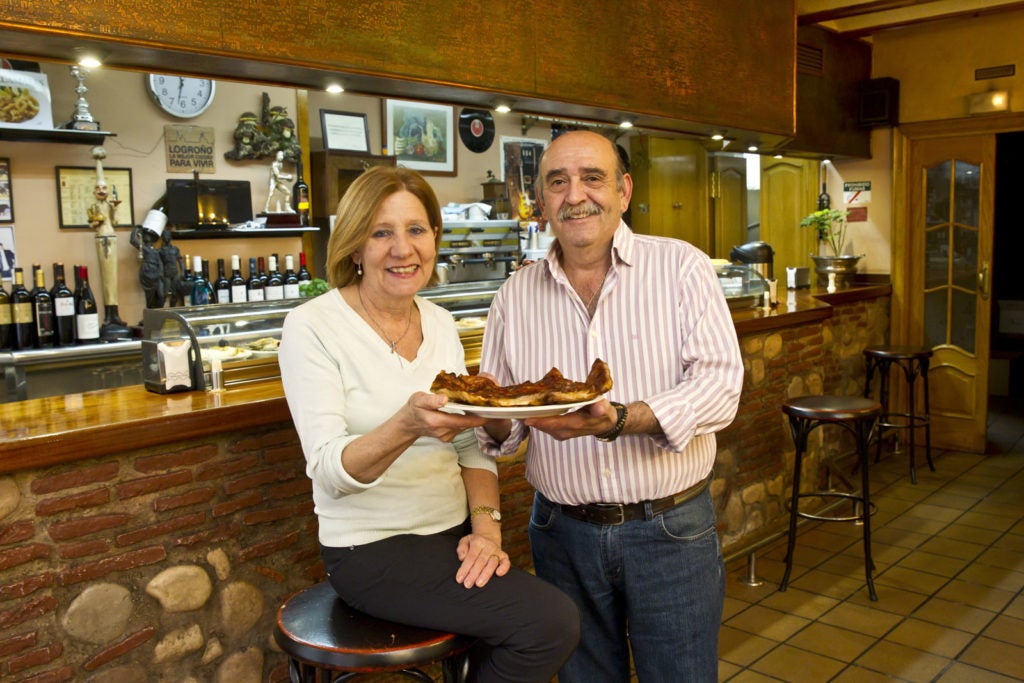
(75, 187)
(345, 131)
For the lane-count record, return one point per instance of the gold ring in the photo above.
(496, 558)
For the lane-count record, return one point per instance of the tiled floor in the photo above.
(949, 556)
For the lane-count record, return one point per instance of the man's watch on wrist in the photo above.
(485, 510)
(622, 412)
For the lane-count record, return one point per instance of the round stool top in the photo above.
(832, 408)
(898, 352)
(316, 626)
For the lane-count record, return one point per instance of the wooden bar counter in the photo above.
(152, 537)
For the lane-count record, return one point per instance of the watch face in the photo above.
(181, 96)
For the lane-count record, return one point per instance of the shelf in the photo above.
(227, 234)
(79, 137)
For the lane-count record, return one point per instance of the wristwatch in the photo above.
(485, 510)
(614, 432)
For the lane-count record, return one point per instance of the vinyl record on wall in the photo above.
(476, 128)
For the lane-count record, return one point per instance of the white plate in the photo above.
(517, 412)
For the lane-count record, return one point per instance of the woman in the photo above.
(405, 500)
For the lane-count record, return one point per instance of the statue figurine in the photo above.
(170, 258)
(101, 219)
(277, 186)
(250, 141)
(151, 269)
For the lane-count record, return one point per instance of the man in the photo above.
(623, 519)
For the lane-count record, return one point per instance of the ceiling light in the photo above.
(717, 136)
(752, 148)
(90, 62)
(625, 124)
(777, 156)
(334, 89)
(502, 108)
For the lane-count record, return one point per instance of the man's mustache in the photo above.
(579, 211)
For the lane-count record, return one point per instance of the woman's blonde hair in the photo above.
(353, 220)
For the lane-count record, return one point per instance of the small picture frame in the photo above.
(345, 131)
(75, 187)
(421, 135)
(6, 194)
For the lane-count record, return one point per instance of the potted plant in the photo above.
(830, 226)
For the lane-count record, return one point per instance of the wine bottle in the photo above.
(42, 312)
(21, 313)
(237, 281)
(300, 195)
(35, 287)
(187, 276)
(5, 317)
(222, 286)
(212, 294)
(63, 308)
(274, 290)
(303, 273)
(291, 280)
(87, 315)
(263, 271)
(254, 286)
(200, 292)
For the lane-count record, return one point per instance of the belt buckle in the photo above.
(618, 507)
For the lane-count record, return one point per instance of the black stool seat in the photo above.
(913, 361)
(856, 415)
(320, 633)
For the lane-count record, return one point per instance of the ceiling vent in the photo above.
(810, 59)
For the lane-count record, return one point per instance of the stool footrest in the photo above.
(855, 497)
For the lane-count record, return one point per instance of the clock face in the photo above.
(181, 96)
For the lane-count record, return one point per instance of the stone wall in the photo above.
(754, 469)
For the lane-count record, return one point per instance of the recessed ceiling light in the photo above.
(334, 89)
(502, 108)
(626, 124)
(89, 62)
(717, 136)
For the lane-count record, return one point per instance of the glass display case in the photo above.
(743, 285)
(180, 345)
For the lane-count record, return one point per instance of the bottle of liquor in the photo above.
(263, 271)
(303, 273)
(5, 317)
(187, 276)
(42, 311)
(35, 287)
(275, 285)
(222, 286)
(63, 308)
(21, 313)
(300, 195)
(209, 281)
(237, 281)
(87, 315)
(254, 286)
(291, 280)
(200, 292)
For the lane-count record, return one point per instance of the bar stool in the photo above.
(321, 634)
(856, 415)
(913, 361)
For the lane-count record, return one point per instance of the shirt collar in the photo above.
(623, 247)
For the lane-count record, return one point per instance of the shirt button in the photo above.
(607, 473)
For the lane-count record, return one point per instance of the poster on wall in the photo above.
(8, 253)
(6, 198)
(189, 148)
(520, 164)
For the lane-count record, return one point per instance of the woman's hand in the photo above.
(482, 558)
(425, 419)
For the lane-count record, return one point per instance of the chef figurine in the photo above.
(277, 185)
(101, 219)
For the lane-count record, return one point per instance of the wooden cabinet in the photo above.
(332, 173)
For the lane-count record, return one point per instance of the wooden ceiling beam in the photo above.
(857, 10)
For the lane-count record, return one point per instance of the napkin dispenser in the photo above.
(798, 278)
(167, 366)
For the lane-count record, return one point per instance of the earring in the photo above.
(359, 269)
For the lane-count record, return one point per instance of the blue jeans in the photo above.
(659, 582)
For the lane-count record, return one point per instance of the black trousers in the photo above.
(529, 626)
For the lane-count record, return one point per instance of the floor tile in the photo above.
(962, 673)
(866, 620)
(995, 655)
(933, 564)
(975, 595)
(740, 647)
(924, 635)
(951, 548)
(767, 623)
(831, 641)
(971, 534)
(800, 603)
(857, 674)
(902, 662)
(1006, 629)
(798, 666)
(911, 580)
(997, 577)
(895, 600)
(986, 521)
(955, 615)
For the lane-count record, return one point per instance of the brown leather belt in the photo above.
(619, 513)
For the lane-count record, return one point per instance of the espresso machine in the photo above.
(758, 255)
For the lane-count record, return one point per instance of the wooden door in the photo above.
(728, 203)
(789, 191)
(950, 202)
(670, 189)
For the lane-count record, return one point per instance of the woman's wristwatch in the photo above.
(485, 510)
(614, 432)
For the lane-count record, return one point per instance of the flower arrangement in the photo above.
(830, 224)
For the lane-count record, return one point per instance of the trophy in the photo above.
(81, 119)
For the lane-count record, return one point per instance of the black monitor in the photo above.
(217, 204)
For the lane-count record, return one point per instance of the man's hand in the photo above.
(597, 418)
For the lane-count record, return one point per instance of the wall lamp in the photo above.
(987, 102)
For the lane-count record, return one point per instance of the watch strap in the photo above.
(485, 510)
(614, 432)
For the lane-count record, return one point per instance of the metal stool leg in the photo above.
(799, 428)
(927, 417)
(862, 433)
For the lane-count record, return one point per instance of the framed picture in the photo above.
(6, 198)
(345, 131)
(75, 187)
(520, 164)
(8, 252)
(421, 135)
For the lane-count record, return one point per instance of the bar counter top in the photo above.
(60, 429)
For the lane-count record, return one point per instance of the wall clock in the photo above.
(181, 96)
